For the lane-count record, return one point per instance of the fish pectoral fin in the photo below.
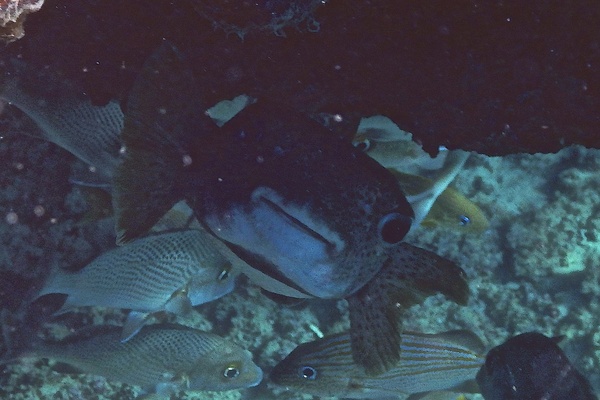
(179, 304)
(424, 272)
(375, 328)
(134, 322)
(67, 306)
(406, 278)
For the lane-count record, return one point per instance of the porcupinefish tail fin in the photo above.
(163, 112)
(408, 277)
(375, 328)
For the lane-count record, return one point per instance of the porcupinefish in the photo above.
(309, 214)
(531, 366)
(428, 362)
(170, 272)
(161, 358)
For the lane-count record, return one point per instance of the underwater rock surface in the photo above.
(509, 293)
(496, 78)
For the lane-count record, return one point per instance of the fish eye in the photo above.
(361, 143)
(464, 220)
(393, 227)
(308, 372)
(223, 275)
(231, 372)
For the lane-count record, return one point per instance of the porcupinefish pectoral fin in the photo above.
(408, 277)
(162, 111)
(375, 328)
(426, 273)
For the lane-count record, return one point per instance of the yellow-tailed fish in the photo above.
(160, 359)
(428, 362)
(163, 272)
(309, 214)
(432, 200)
(65, 116)
(449, 209)
(421, 197)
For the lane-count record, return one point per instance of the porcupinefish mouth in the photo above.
(284, 241)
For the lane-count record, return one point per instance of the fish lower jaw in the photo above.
(286, 250)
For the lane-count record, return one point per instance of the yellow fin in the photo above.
(450, 209)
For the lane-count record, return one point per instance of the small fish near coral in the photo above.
(428, 362)
(424, 180)
(161, 359)
(171, 271)
(255, 188)
(531, 366)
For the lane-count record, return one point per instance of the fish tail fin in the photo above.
(162, 114)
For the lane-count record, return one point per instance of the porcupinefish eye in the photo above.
(361, 143)
(464, 220)
(231, 372)
(307, 372)
(393, 227)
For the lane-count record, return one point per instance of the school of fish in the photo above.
(276, 196)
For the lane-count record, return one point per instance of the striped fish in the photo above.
(165, 272)
(428, 362)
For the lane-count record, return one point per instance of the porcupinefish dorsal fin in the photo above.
(162, 113)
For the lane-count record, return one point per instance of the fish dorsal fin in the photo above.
(162, 115)
(134, 322)
(465, 338)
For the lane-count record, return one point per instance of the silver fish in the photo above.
(66, 117)
(309, 214)
(165, 272)
(428, 362)
(161, 358)
(423, 178)
(392, 147)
